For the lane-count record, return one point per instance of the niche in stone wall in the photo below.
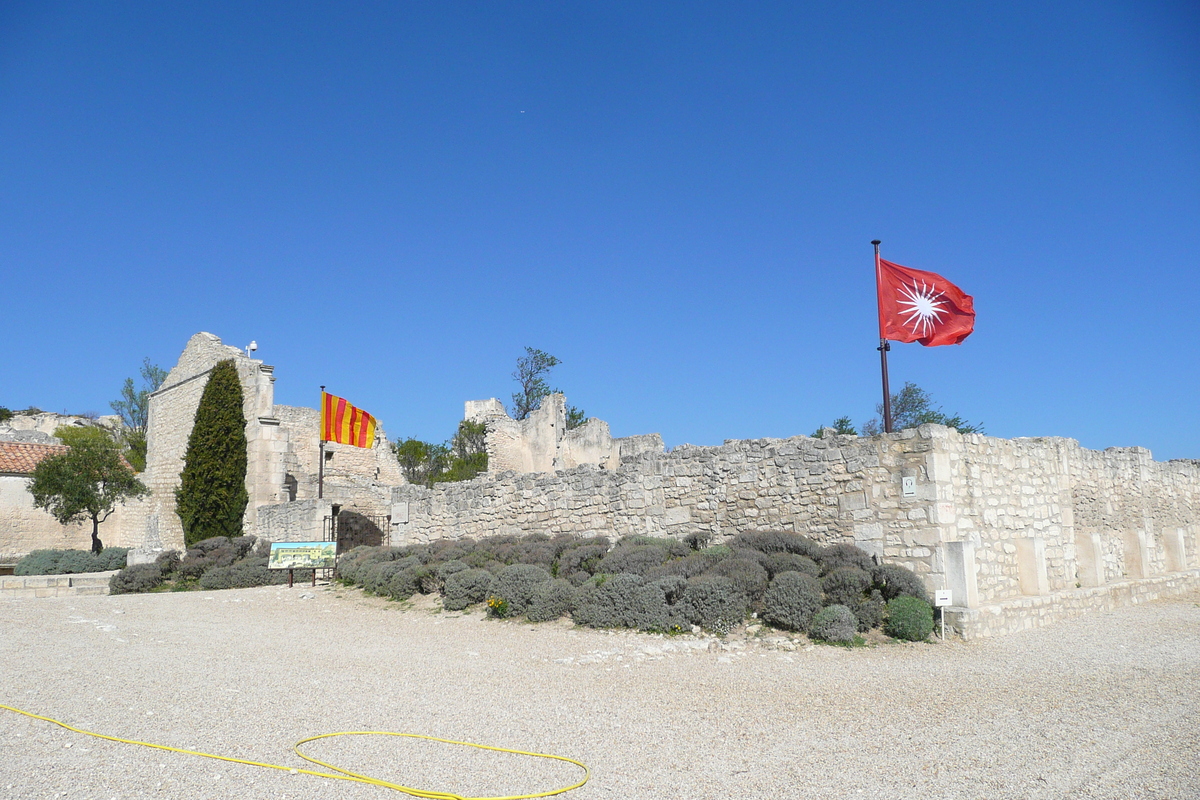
(1089, 559)
(1136, 557)
(1031, 566)
(1173, 550)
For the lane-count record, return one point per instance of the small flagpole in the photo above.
(321, 452)
(884, 344)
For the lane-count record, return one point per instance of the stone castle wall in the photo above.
(837, 489)
(25, 527)
(282, 448)
(1020, 530)
(542, 442)
(354, 476)
(173, 413)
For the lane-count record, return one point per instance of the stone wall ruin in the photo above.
(281, 441)
(1022, 531)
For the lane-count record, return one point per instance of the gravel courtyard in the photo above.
(1101, 707)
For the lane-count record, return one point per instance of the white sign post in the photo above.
(942, 598)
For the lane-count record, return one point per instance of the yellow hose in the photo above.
(346, 775)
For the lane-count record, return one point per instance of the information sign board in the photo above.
(942, 597)
(302, 555)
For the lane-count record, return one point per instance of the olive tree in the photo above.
(85, 482)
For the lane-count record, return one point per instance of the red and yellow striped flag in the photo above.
(345, 424)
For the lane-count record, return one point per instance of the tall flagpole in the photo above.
(321, 453)
(884, 344)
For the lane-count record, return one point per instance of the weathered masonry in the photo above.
(1023, 531)
(282, 448)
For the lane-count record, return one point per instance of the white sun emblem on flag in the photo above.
(924, 307)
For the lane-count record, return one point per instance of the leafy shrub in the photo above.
(450, 550)
(352, 567)
(578, 578)
(583, 558)
(466, 588)
(843, 555)
(674, 547)
(869, 612)
(892, 581)
(714, 603)
(111, 558)
(408, 580)
(242, 545)
(348, 563)
(658, 605)
(167, 562)
(845, 586)
(75, 562)
(448, 568)
(70, 562)
(532, 549)
(791, 601)
(834, 623)
(777, 542)
(550, 600)
(39, 562)
(422, 552)
(495, 567)
(135, 579)
(217, 551)
(610, 603)
(633, 559)
(247, 573)
(909, 618)
(516, 584)
(477, 558)
(748, 576)
(698, 540)
(791, 562)
(691, 565)
(375, 578)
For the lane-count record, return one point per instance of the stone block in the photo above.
(1089, 559)
(1031, 566)
(961, 573)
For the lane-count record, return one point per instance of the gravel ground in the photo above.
(1100, 707)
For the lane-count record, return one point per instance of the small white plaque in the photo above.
(941, 597)
(908, 486)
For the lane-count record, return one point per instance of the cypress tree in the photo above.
(211, 498)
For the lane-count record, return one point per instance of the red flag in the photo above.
(917, 306)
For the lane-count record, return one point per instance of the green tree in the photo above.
(460, 459)
(530, 375)
(421, 462)
(211, 498)
(841, 425)
(913, 406)
(5, 414)
(468, 451)
(134, 410)
(85, 482)
(575, 417)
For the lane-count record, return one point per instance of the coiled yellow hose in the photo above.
(345, 774)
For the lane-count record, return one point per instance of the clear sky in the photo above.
(675, 199)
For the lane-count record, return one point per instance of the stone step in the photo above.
(91, 583)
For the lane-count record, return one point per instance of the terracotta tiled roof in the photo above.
(22, 457)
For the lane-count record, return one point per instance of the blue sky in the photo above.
(675, 199)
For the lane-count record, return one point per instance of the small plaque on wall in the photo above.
(908, 486)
